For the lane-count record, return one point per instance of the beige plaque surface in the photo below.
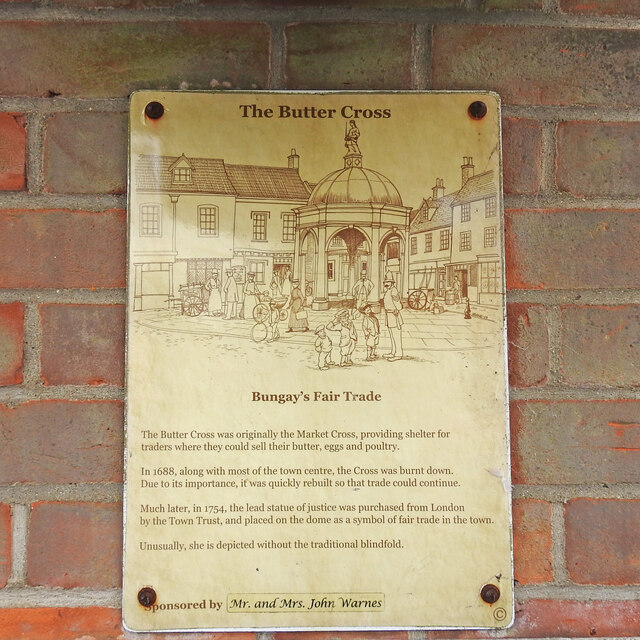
(316, 404)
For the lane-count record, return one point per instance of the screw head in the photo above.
(154, 110)
(147, 597)
(490, 593)
(477, 110)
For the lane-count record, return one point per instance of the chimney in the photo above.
(467, 169)
(294, 160)
(438, 190)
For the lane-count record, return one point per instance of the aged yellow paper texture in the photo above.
(316, 387)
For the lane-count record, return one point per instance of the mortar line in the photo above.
(558, 551)
(548, 156)
(565, 201)
(27, 494)
(77, 202)
(571, 394)
(586, 593)
(43, 597)
(35, 153)
(277, 56)
(31, 364)
(65, 296)
(577, 297)
(14, 396)
(421, 56)
(319, 13)
(557, 493)
(19, 529)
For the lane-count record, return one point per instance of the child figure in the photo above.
(371, 330)
(323, 347)
(274, 318)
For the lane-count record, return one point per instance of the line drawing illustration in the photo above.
(340, 266)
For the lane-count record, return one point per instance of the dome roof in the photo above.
(353, 185)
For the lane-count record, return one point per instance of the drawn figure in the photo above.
(230, 290)
(371, 330)
(274, 318)
(323, 347)
(393, 317)
(351, 138)
(251, 292)
(348, 336)
(361, 290)
(298, 317)
(285, 287)
(456, 291)
(276, 289)
(308, 294)
(212, 285)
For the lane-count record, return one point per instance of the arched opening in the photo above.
(348, 253)
(392, 258)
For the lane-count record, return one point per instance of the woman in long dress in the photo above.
(250, 296)
(212, 285)
(298, 318)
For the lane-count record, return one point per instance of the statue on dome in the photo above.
(351, 138)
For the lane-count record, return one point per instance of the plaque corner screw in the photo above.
(477, 110)
(147, 597)
(154, 110)
(490, 593)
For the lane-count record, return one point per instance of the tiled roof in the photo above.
(267, 182)
(212, 175)
(441, 218)
(208, 175)
(476, 187)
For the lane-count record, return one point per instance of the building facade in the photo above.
(456, 239)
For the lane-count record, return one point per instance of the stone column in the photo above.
(321, 299)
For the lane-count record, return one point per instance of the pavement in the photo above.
(422, 330)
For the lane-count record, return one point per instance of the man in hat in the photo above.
(361, 291)
(230, 290)
(393, 318)
(323, 347)
(371, 330)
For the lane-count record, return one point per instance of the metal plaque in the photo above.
(316, 407)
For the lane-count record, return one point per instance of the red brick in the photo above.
(5, 544)
(538, 65)
(528, 344)
(521, 155)
(564, 618)
(11, 342)
(74, 249)
(74, 545)
(349, 56)
(95, 623)
(86, 153)
(572, 249)
(13, 152)
(599, 346)
(346, 635)
(60, 624)
(107, 59)
(55, 441)
(599, 158)
(575, 442)
(602, 7)
(601, 541)
(82, 344)
(532, 541)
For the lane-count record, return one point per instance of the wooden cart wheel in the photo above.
(259, 332)
(417, 300)
(261, 312)
(192, 306)
(283, 315)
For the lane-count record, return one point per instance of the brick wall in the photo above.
(568, 74)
